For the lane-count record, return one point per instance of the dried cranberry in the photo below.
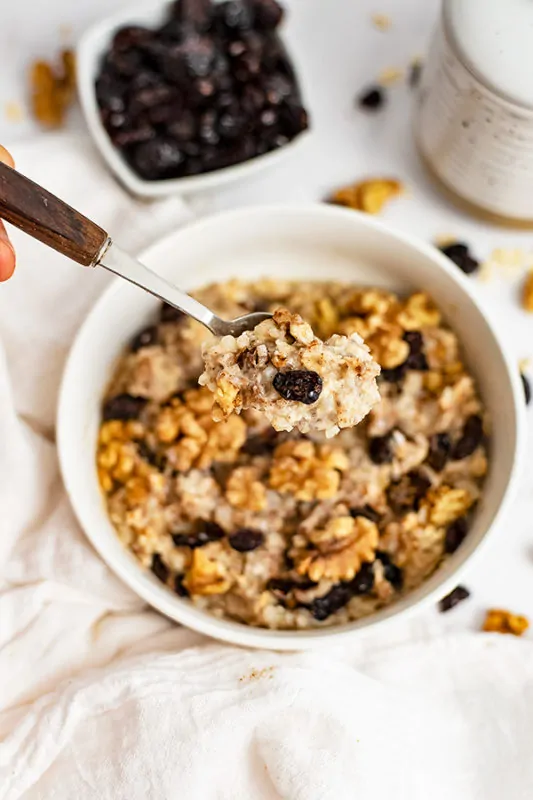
(148, 336)
(298, 385)
(527, 388)
(455, 534)
(365, 511)
(123, 406)
(405, 494)
(159, 158)
(391, 572)
(159, 568)
(380, 449)
(246, 539)
(179, 587)
(372, 99)
(204, 533)
(440, 446)
(455, 597)
(471, 438)
(459, 253)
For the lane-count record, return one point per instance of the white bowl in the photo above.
(314, 242)
(89, 52)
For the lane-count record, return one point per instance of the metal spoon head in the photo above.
(237, 326)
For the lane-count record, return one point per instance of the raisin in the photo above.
(123, 406)
(151, 456)
(416, 360)
(415, 73)
(158, 158)
(455, 597)
(246, 539)
(527, 388)
(168, 313)
(372, 99)
(471, 438)
(394, 375)
(365, 511)
(298, 385)
(179, 586)
(159, 568)
(194, 14)
(205, 532)
(363, 583)
(145, 338)
(405, 494)
(455, 535)
(459, 253)
(337, 597)
(440, 446)
(391, 572)
(131, 36)
(380, 449)
(286, 585)
(268, 14)
(262, 444)
(237, 15)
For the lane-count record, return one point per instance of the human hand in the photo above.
(7, 254)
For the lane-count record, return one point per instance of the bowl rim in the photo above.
(184, 612)
(89, 50)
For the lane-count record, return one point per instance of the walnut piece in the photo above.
(194, 438)
(116, 456)
(419, 312)
(527, 292)
(370, 195)
(306, 470)
(445, 505)
(342, 547)
(53, 90)
(245, 490)
(206, 575)
(500, 621)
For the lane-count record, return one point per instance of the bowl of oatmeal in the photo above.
(283, 535)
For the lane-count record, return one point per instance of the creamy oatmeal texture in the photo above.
(281, 529)
(293, 378)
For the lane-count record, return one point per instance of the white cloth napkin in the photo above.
(101, 698)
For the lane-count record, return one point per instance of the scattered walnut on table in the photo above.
(499, 621)
(53, 90)
(369, 195)
(527, 292)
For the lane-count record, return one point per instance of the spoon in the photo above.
(40, 214)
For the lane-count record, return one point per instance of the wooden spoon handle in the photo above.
(44, 216)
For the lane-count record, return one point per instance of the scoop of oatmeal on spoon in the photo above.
(290, 375)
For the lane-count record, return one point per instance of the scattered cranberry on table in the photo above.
(211, 87)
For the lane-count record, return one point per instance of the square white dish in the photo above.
(89, 52)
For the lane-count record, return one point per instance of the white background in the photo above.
(340, 52)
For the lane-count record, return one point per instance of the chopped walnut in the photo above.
(306, 470)
(245, 490)
(116, 456)
(342, 547)
(206, 575)
(419, 312)
(370, 195)
(445, 504)
(500, 621)
(194, 438)
(527, 292)
(53, 91)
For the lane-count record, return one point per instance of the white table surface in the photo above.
(341, 53)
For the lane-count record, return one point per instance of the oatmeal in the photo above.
(281, 529)
(292, 377)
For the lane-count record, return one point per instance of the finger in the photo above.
(7, 255)
(6, 157)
